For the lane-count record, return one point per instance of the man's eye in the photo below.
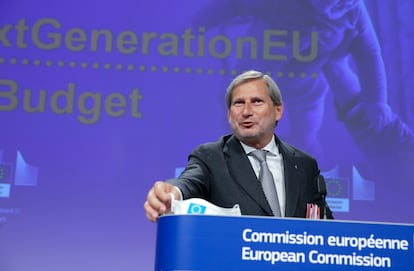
(238, 103)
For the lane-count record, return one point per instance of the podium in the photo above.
(250, 243)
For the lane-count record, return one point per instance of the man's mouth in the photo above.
(247, 124)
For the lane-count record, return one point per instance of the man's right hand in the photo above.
(159, 200)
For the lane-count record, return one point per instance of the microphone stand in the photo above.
(322, 189)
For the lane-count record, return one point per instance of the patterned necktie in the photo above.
(268, 184)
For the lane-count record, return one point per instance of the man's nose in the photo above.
(247, 109)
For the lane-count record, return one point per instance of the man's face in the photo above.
(252, 114)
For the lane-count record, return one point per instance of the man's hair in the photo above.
(274, 91)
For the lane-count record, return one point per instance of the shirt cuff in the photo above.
(179, 191)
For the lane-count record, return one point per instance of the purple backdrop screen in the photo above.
(100, 100)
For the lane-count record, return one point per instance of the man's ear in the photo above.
(279, 111)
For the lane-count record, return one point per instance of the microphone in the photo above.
(323, 191)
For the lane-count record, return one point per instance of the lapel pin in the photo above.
(296, 166)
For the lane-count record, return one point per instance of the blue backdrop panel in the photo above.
(99, 100)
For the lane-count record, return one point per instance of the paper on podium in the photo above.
(198, 206)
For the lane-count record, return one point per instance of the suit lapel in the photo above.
(292, 184)
(242, 172)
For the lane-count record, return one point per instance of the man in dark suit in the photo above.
(226, 173)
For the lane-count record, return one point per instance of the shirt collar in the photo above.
(271, 147)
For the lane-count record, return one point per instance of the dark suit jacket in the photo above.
(221, 173)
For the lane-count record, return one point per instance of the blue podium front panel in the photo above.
(203, 242)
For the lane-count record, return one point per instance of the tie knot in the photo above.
(259, 155)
